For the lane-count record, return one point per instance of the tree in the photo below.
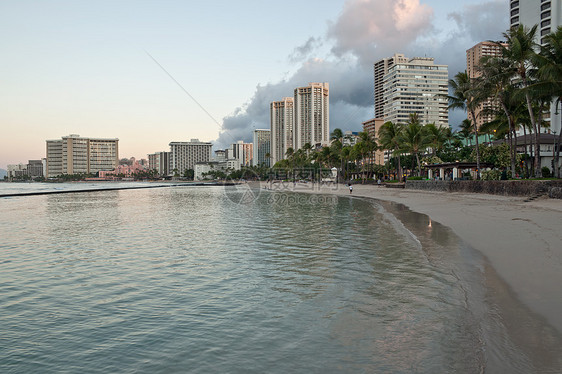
(520, 51)
(365, 146)
(336, 138)
(389, 138)
(436, 136)
(495, 82)
(414, 139)
(549, 63)
(465, 96)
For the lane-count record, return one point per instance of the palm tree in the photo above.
(336, 138)
(465, 96)
(307, 148)
(389, 139)
(368, 146)
(465, 131)
(414, 138)
(495, 82)
(549, 63)
(520, 51)
(437, 136)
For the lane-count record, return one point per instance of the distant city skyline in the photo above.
(82, 67)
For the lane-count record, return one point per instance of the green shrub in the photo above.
(491, 175)
(545, 172)
(415, 178)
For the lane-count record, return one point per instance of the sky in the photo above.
(153, 72)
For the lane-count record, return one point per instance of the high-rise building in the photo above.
(184, 155)
(416, 86)
(159, 161)
(381, 69)
(243, 152)
(312, 115)
(372, 127)
(262, 147)
(473, 57)
(547, 14)
(74, 154)
(282, 124)
(35, 168)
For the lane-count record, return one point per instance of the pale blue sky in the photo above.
(80, 66)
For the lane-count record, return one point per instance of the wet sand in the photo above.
(521, 240)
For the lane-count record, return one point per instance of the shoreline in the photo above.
(522, 240)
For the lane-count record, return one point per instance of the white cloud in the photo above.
(373, 29)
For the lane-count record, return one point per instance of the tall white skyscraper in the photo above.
(380, 70)
(282, 125)
(416, 86)
(312, 115)
(262, 147)
(547, 14)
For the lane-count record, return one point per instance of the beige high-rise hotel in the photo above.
(74, 154)
(473, 57)
(312, 115)
(282, 122)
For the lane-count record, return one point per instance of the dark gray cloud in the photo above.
(484, 21)
(366, 31)
(351, 98)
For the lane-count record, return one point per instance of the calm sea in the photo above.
(235, 280)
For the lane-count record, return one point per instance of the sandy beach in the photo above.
(522, 240)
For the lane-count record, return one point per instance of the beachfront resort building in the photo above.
(74, 154)
(159, 161)
(262, 147)
(242, 152)
(381, 69)
(473, 58)
(281, 121)
(184, 155)
(547, 14)
(312, 115)
(416, 86)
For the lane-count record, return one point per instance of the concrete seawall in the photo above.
(550, 188)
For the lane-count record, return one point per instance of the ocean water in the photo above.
(235, 280)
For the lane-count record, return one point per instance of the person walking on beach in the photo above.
(350, 189)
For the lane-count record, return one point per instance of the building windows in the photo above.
(515, 12)
(545, 14)
(545, 23)
(545, 6)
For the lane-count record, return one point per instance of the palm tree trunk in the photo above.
(525, 143)
(476, 143)
(511, 137)
(536, 130)
(557, 145)
(399, 171)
